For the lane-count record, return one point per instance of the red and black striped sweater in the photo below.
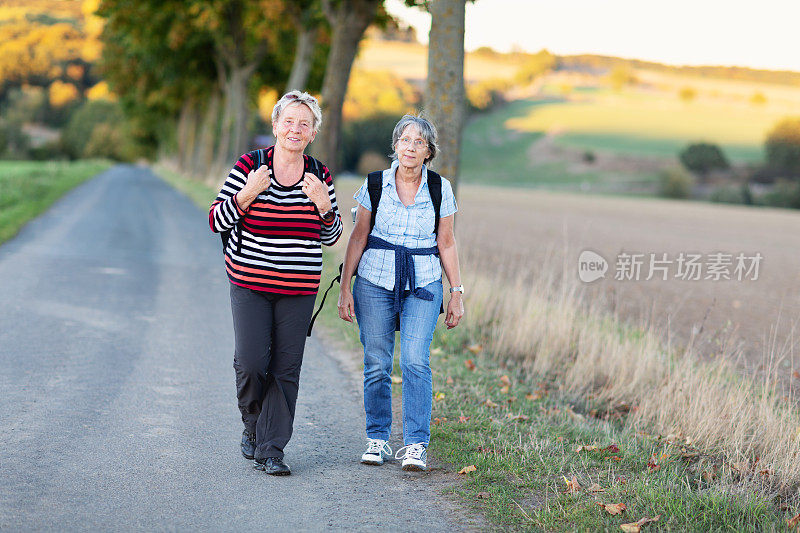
(282, 232)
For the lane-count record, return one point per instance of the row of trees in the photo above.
(199, 64)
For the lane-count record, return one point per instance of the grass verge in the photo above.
(29, 188)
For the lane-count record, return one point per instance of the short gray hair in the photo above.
(297, 97)
(426, 129)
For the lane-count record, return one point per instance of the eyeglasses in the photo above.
(418, 143)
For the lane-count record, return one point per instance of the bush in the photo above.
(675, 183)
(783, 147)
(727, 195)
(588, 157)
(486, 94)
(784, 194)
(687, 94)
(14, 142)
(703, 158)
(373, 134)
(99, 129)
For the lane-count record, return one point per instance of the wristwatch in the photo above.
(328, 215)
(459, 288)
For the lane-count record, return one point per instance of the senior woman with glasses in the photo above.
(399, 284)
(278, 215)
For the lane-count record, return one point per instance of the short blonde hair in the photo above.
(298, 97)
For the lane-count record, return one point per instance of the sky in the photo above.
(764, 34)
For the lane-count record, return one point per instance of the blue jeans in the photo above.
(376, 323)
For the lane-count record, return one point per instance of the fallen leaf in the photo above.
(586, 448)
(613, 508)
(462, 419)
(439, 396)
(572, 485)
(475, 348)
(468, 469)
(397, 379)
(483, 496)
(504, 390)
(796, 374)
(559, 439)
(505, 381)
(490, 403)
(437, 421)
(613, 448)
(470, 365)
(652, 463)
(450, 380)
(437, 351)
(791, 522)
(621, 480)
(616, 458)
(636, 527)
(518, 417)
(511, 400)
(594, 487)
(530, 396)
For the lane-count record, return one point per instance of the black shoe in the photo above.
(248, 444)
(272, 466)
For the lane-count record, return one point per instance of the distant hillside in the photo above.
(597, 63)
(409, 60)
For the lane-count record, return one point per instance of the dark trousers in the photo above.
(270, 331)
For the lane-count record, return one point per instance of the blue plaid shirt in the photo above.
(410, 226)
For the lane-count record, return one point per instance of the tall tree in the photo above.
(306, 15)
(348, 19)
(444, 89)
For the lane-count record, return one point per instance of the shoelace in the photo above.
(378, 446)
(413, 451)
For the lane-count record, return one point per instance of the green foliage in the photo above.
(728, 194)
(487, 94)
(371, 94)
(621, 76)
(783, 147)
(98, 129)
(372, 134)
(675, 183)
(703, 158)
(784, 193)
(14, 143)
(534, 66)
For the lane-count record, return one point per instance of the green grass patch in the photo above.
(29, 188)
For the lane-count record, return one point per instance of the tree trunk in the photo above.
(233, 139)
(348, 22)
(444, 91)
(303, 55)
(204, 153)
(188, 124)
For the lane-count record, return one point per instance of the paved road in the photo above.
(117, 397)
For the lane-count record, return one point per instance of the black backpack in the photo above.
(259, 157)
(375, 188)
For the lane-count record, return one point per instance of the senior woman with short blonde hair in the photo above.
(399, 284)
(279, 206)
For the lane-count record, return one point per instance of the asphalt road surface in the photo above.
(117, 397)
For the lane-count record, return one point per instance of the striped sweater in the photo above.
(282, 232)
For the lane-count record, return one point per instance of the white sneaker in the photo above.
(376, 450)
(414, 457)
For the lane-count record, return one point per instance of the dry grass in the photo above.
(549, 324)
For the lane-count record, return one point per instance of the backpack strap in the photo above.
(374, 187)
(435, 190)
(334, 280)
